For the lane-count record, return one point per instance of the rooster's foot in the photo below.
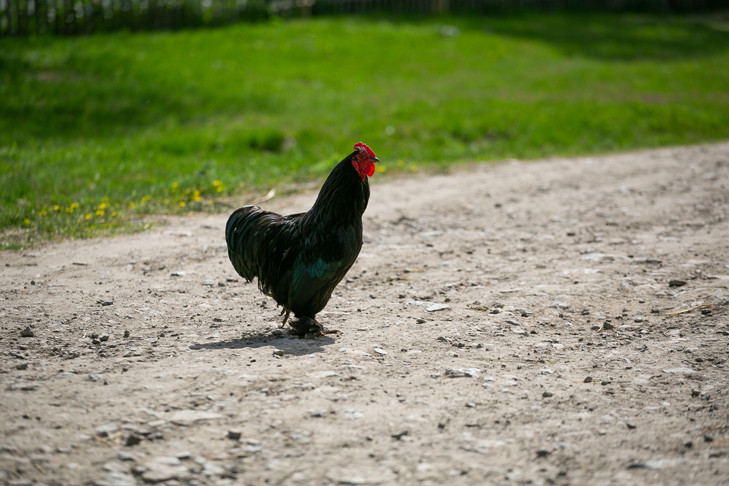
(306, 327)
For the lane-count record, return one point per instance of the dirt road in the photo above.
(552, 322)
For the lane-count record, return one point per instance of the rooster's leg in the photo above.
(286, 317)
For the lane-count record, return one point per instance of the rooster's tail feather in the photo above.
(244, 241)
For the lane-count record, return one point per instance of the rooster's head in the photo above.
(364, 160)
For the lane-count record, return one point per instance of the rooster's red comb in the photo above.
(364, 148)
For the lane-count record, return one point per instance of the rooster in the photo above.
(299, 259)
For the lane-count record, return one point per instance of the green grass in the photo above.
(98, 131)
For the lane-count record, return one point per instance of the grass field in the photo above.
(97, 131)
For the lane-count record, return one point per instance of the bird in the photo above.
(300, 258)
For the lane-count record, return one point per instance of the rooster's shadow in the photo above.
(289, 344)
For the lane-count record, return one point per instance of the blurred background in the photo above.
(113, 111)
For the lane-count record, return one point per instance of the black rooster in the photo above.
(299, 259)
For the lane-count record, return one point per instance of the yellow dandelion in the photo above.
(196, 196)
(103, 206)
(146, 198)
(56, 207)
(73, 206)
(413, 168)
(174, 186)
(87, 217)
(43, 212)
(113, 214)
(26, 222)
(220, 189)
(99, 212)
(131, 205)
(381, 168)
(182, 204)
(217, 183)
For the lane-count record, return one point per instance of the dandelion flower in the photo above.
(175, 185)
(87, 217)
(26, 222)
(146, 198)
(56, 207)
(99, 212)
(217, 183)
(103, 206)
(182, 204)
(131, 205)
(73, 206)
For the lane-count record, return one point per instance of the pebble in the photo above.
(187, 417)
(352, 414)
(588, 379)
(380, 351)
(162, 468)
(106, 430)
(133, 440)
(21, 366)
(27, 332)
(462, 372)
(234, 434)
(676, 283)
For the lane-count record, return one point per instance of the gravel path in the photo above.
(550, 322)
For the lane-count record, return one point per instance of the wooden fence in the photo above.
(74, 17)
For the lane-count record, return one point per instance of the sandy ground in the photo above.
(551, 322)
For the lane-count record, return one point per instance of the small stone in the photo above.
(163, 468)
(542, 453)
(631, 426)
(234, 434)
(708, 438)
(676, 283)
(127, 333)
(133, 440)
(547, 394)
(437, 307)
(106, 430)
(588, 379)
(380, 351)
(21, 366)
(278, 353)
(462, 372)
(27, 332)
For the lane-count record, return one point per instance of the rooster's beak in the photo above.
(376, 159)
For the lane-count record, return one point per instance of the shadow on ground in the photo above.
(288, 344)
